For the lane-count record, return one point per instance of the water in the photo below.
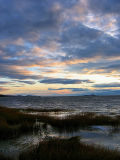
(13, 147)
(98, 104)
(97, 135)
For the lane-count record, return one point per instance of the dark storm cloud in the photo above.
(63, 81)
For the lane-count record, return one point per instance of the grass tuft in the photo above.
(13, 122)
(68, 149)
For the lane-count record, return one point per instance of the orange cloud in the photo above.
(3, 89)
(65, 91)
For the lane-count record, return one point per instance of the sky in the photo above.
(60, 47)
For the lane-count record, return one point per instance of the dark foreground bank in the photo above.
(68, 149)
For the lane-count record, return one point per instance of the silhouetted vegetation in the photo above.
(68, 149)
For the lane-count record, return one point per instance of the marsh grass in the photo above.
(13, 122)
(68, 149)
(2, 157)
(74, 122)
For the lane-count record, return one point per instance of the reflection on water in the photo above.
(106, 136)
(13, 147)
(98, 104)
(98, 135)
(60, 114)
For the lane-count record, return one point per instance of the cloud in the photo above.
(64, 81)
(79, 41)
(3, 89)
(79, 34)
(107, 92)
(85, 91)
(107, 85)
(14, 72)
(27, 82)
(4, 82)
(104, 6)
(61, 38)
(73, 89)
(27, 19)
(112, 67)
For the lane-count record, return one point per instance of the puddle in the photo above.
(13, 147)
(97, 135)
(106, 136)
